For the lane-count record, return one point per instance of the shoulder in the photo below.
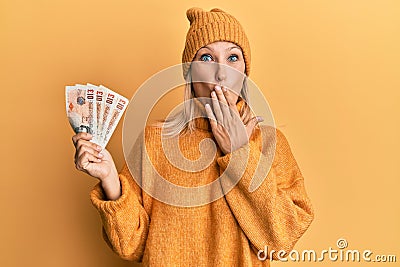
(270, 134)
(274, 142)
(152, 130)
(146, 137)
(153, 133)
(270, 131)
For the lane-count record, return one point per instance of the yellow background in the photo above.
(329, 69)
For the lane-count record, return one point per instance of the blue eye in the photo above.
(233, 58)
(206, 58)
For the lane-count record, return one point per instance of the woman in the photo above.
(230, 230)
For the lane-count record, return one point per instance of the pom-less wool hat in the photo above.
(211, 26)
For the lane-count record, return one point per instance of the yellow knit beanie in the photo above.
(208, 27)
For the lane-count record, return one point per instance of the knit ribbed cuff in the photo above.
(111, 206)
(246, 154)
(239, 165)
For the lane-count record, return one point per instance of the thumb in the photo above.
(252, 123)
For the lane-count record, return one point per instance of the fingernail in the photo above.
(98, 148)
(101, 155)
(212, 93)
(224, 89)
(98, 160)
(260, 119)
(217, 87)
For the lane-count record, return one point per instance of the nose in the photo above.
(220, 74)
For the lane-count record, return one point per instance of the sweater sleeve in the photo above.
(278, 212)
(125, 221)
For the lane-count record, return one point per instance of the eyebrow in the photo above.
(229, 48)
(233, 47)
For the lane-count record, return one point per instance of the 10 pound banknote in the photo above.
(95, 110)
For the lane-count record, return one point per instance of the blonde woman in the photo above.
(230, 230)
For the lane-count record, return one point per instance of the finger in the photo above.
(79, 136)
(211, 117)
(85, 160)
(222, 99)
(251, 124)
(82, 142)
(230, 97)
(217, 108)
(89, 149)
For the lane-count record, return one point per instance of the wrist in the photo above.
(111, 185)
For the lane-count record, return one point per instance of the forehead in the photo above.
(221, 45)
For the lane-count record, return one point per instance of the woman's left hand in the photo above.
(227, 127)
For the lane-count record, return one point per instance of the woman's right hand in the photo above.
(89, 158)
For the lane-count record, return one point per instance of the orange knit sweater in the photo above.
(227, 232)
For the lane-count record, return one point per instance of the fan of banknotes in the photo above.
(95, 110)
